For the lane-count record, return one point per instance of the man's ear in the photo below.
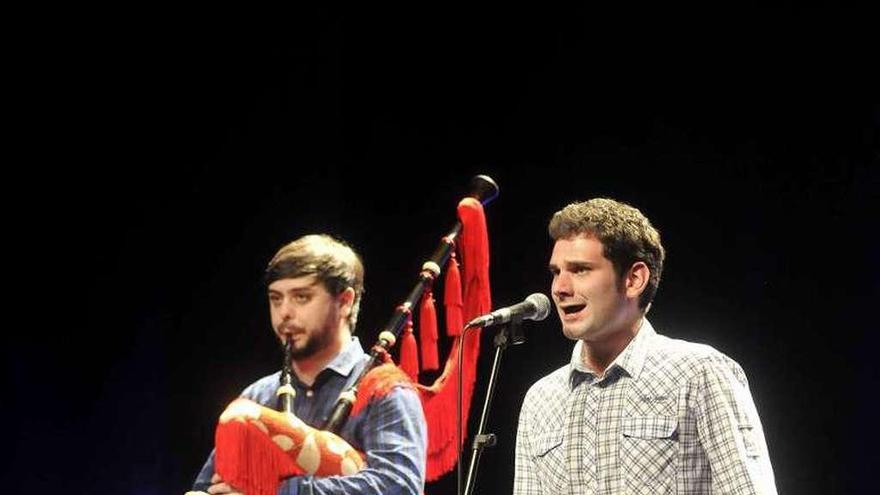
(346, 301)
(636, 279)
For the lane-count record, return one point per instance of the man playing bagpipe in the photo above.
(314, 289)
(379, 442)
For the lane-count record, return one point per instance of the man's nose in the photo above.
(561, 285)
(287, 310)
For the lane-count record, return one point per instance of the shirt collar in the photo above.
(630, 361)
(346, 360)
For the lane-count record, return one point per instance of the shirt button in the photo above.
(309, 393)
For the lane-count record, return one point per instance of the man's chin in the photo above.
(303, 351)
(573, 333)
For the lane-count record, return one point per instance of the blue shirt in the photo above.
(391, 431)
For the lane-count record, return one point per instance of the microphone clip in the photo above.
(510, 333)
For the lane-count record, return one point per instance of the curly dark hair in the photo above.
(627, 236)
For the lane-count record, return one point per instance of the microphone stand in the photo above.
(509, 334)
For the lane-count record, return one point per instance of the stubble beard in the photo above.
(312, 345)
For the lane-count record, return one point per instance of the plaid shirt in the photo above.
(391, 431)
(668, 416)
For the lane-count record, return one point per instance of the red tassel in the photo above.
(439, 403)
(452, 299)
(475, 256)
(439, 399)
(428, 332)
(409, 353)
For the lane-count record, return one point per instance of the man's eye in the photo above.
(301, 298)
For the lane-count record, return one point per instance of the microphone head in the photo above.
(542, 305)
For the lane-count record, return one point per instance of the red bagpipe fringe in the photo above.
(249, 460)
(439, 399)
(257, 447)
(475, 257)
(378, 383)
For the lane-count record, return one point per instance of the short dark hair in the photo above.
(336, 265)
(627, 236)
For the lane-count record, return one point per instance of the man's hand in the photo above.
(219, 486)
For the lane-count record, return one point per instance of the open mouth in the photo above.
(573, 309)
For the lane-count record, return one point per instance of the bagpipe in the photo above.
(257, 447)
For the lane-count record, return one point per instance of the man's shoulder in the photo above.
(690, 357)
(270, 379)
(681, 349)
(387, 381)
(262, 388)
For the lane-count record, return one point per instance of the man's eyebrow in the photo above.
(579, 263)
(307, 288)
(572, 264)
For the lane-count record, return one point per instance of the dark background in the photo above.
(185, 149)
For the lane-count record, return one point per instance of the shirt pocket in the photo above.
(648, 453)
(549, 454)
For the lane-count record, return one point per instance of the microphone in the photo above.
(535, 307)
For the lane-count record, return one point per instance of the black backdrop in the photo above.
(193, 146)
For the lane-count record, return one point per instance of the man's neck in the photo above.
(307, 368)
(599, 355)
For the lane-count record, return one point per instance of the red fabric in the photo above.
(452, 299)
(428, 332)
(409, 353)
(439, 399)
(475, 257)
(378, 383)
(247, 459)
